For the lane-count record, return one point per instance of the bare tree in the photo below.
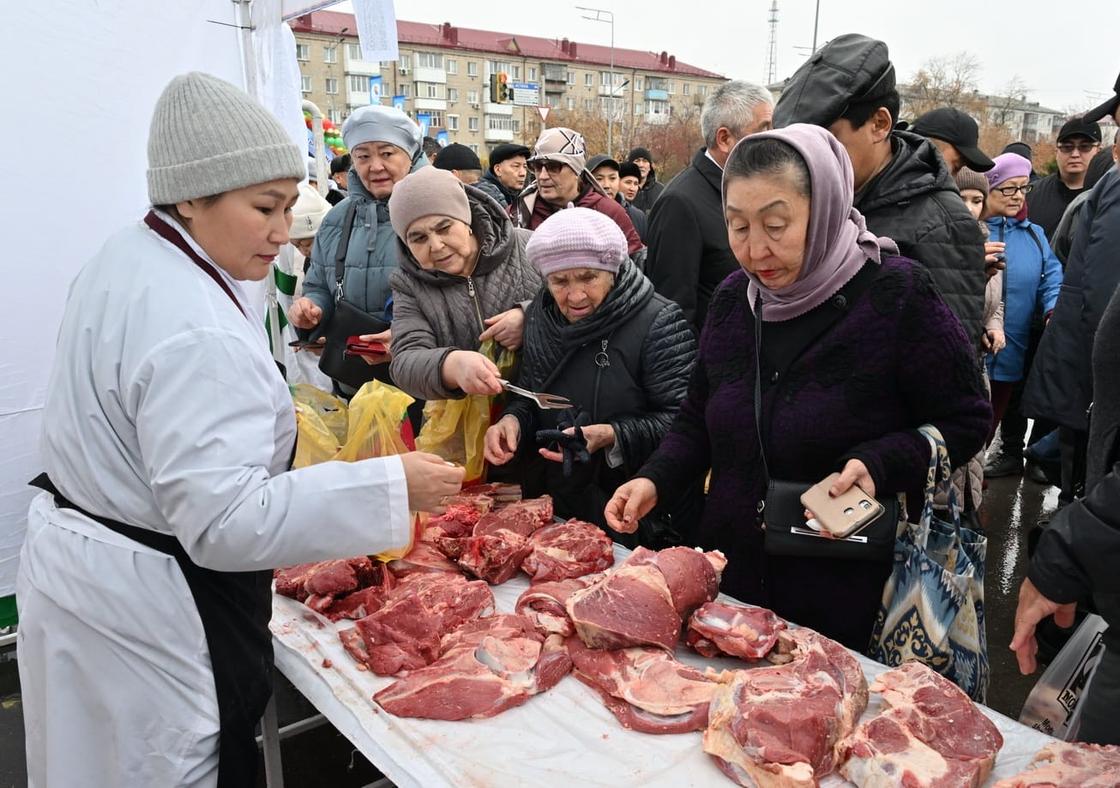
(1013, 94)
(951, 81)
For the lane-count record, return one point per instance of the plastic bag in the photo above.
(378, 415)
(331, 409)
(455, 429)
(315, 441)
(1054, 703)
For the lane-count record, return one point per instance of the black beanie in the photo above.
(507, 150)
(457, 157)
(640, 153)
(629, 168)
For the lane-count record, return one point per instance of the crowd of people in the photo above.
(821, 281)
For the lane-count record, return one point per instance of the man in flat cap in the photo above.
(903, 187)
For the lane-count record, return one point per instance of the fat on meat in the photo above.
(544, 604)
(405, 633)
(1070, 765)
(495, 556)
(719, 628)
(931, 736)
(782, 725)
(423, 558)
(487, 666)
(646, 688)
(521, 517)
(566, 550)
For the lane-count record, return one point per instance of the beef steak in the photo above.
(931, 736)
(570, 549)
(718, 628)
(1070, 765)
(544, 604)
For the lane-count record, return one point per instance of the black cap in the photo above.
(506, 151)
(1107, 109)
(598, 161)
(1020, 148)
(1079, 127)
(457, 157)
(849, 69)
(959, 130)
(629, 169)
(640, 153)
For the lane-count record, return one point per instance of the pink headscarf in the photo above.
(837, 243)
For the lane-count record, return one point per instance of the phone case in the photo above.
(845, 514)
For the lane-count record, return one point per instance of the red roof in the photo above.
(447, 36)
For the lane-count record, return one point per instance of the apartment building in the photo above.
(442, 79)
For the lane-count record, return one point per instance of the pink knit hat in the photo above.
(577, 238)
(1008, 166)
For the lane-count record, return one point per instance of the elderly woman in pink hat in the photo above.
(598, 334)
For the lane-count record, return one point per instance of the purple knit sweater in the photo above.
(896, 359)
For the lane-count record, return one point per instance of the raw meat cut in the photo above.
(1070, 765)
(405, 633)
(423, 558)
(459, 518)
(544, 604)
(782, 725)
(494, 557)
(718, 628)
(570, 549)
(326, 578)
(522, 517)
(932, 736)
(488, 665)
(360, 603)
(646, 688)
(641, 601)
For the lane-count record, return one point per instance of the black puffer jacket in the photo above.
(1060, 385)
(648, 194)
(915, 201)
(649, 351)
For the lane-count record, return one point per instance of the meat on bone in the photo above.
(544, 604)
(719, 628)
(565, 550)
(1070, 765)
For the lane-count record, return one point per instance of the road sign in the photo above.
(526, 94)
(544, 113)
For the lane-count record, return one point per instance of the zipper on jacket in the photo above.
(474, 300)
(602, 361)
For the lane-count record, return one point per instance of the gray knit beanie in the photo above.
(375, 123)
(209, 137)
(427, 192)
(971, 179)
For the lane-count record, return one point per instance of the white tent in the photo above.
(83, 78)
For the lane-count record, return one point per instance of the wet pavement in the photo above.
(322, 756)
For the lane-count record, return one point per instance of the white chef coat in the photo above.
(165, 410)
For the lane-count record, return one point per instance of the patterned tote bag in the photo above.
(933, 603)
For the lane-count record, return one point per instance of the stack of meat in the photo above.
(343, 588)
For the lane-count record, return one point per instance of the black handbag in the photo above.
(348, 321)
(783, 514)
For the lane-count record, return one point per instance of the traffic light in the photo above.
(500, 91)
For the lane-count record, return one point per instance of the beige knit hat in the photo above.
(427, 192)
(308, 213)
(209, 137)
(562, 145)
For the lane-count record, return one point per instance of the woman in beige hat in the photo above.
(144, 582)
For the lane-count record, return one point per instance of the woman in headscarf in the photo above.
(857, 350)
(144, 584)
(598, 334)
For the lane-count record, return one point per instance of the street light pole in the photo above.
(816, 20)
(603, 15)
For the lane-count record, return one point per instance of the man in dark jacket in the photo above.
(1078, 142)
(1078, 554)
(957, 137)
(688, 251)
(903, 187)
(606, 172)
(649, 192)
(506, 175)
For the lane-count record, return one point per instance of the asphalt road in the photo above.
(322, 756)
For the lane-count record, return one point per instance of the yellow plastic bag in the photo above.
(376, 415)
(455, 429)
(315, 442)
(331, 409)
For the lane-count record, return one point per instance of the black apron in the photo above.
(235, 608)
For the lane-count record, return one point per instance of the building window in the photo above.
(472, 123)
(516, 126)
(357, 83)
(572, 78)
(637, 108)
(404, 89)
(532, 74)
(499, 122)
(332, 86)
(587, 104)
(497, 67)
(686, 88)
(453, 95)
(637, 84)
(354, 51)
(452, 122)
(472, 68)
(589, 80)
(335, 115)
(553, 100)
(452, 66)
(330, 53)
(672, 87)
(436, 121)
(474, 147)
(305, 84)
(472, 97)
(432, 90)
(516, 71)
(703, 90)
(571, 103)
(303, 51)
(429, 60)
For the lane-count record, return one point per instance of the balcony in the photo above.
(657, 118)
(656, 94)
(356, 98)
(558, 74)
(426, 74)
(498, 109)
(430, 103)
(364, 67)
(499, 135)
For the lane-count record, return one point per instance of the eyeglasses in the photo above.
(553, 167)
(1080, 147)
(1009, 191)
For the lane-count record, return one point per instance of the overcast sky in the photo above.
(1009, 37)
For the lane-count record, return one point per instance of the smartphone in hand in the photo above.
(845, 515)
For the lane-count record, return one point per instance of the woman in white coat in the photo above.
(144, 582)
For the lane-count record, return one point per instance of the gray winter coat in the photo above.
(370, 260)
(435, 313)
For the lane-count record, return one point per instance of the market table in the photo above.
(562, 737)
